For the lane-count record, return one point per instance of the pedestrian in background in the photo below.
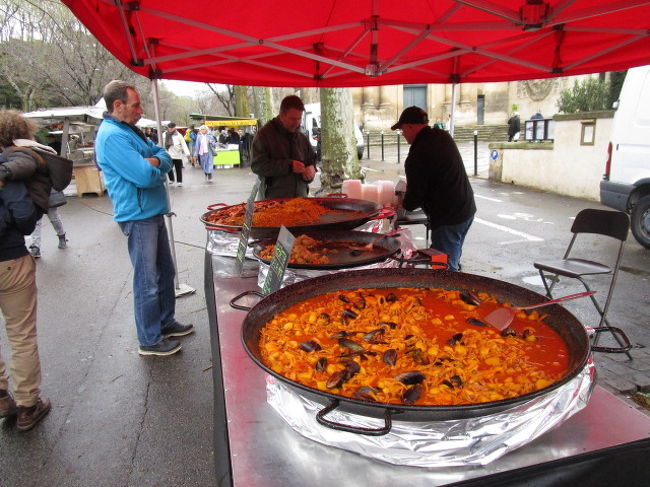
(57, 199)
(436, 181)
(134, 170)
(18, 216)
(176, 147)
(514, 127)
(204, 150)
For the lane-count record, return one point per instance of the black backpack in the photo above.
(59, 169)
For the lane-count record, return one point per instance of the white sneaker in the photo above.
(179, 184)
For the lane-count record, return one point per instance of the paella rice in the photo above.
(411, 346)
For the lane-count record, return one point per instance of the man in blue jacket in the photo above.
(134, 171)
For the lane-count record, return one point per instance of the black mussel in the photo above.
(359, 353)
(456, 380)
(470, 298)
(476, 322)
(359, 302)
(411, 377)
(408, 337)
(348, 314)
(356, 252)
(336, 379)
(351, 368)
(412, 394)
(418, 356)
(447, 383)
(508, 332)
(323, 319)
(419, 300)
(389, 324)
(339, 334)
(321, 365)
(391, 297)
(309, 346)
(374, 336)
(527, 332)
(366, 393)
(455, 339)
(345, 343)
(390, 357)
(344, 298)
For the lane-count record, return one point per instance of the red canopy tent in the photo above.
(339, 43)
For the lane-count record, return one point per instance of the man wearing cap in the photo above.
(436, 181)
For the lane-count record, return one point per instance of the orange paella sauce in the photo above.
(411, 346)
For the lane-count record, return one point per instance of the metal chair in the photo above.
(614, 224)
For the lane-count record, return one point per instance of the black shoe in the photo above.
(177, 329)
(165, 347)
(35, 251)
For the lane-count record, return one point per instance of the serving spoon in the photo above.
(501, 318)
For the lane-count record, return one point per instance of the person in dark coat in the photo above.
(283, 158)
(514, 127)
(436, 181)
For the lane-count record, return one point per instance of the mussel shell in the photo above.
(411, 377)
(412, 394)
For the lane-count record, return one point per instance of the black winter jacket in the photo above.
(436, 180)
(274, 147)
(18, 217)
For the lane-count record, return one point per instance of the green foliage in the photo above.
(586, 96)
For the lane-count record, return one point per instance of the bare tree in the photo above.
(225, 96)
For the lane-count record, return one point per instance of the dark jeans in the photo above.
(178, 166)
(449, 239)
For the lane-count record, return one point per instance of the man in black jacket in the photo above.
(283, 158)
(436, 181)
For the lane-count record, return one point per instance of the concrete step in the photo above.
(464, 133)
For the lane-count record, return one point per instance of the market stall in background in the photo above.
(234, 137)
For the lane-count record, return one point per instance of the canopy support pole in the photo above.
(181, 289)
(452, 120)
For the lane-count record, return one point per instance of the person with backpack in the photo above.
(18, 216)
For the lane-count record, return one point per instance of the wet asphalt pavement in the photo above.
(119, 419)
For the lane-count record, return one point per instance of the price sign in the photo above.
(246, 230)
(278, 266)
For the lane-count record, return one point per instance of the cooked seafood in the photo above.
(411, 346)
(308, 250)
(273, 213)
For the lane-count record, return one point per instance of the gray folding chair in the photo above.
(614, 224)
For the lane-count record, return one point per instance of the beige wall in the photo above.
(564, 166)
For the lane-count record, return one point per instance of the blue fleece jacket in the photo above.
(136, 188)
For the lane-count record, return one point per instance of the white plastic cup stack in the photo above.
(370, 192)
(386, 192)
(352, 187)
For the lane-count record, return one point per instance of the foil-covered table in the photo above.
(255, 447)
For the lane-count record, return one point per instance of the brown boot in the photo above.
(28, 417)
(7, 405)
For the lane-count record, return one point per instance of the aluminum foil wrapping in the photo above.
(437, 444)
(225, 244)
(293, 275)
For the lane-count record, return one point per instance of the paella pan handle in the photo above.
(385, 212)
(420, 260)
(615, 331)
(215, 205)
(241, 307)
(221, 229)
(320, 417)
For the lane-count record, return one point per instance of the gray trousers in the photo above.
(53, 215)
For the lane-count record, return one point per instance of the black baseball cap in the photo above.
(411, 115)
(171, 125)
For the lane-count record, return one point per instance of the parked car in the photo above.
(312, 125)
(626, 182)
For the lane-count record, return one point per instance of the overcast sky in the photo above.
(184, 88)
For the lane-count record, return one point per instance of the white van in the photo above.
(626, 182)
(312, 125)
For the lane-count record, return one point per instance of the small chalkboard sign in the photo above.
(246, 230)
(278, 265)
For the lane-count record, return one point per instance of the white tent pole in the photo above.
(181, 289)
(452, 122)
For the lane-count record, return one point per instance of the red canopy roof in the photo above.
(337, 43)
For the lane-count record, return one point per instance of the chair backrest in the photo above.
(603, 222)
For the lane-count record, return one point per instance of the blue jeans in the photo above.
(154, 296)
(449, 239)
